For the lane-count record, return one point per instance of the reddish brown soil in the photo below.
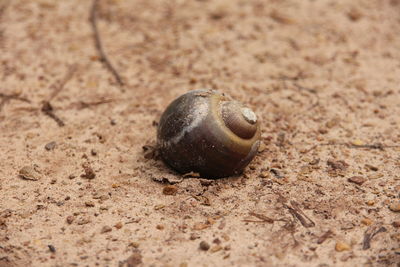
(323, 77)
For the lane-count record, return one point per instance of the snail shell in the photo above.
(206, 132)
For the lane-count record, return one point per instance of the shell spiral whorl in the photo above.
(204, 131)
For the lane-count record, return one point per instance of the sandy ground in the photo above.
(323, 77)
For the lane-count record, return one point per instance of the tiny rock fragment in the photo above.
(118, 225)
(354, 15)
(216, 248)
(160, 227)
(226, 237)
(332, 123)
(375, 176)
(89, 204)
(357, 142)
(357, 180)
(276, 173)
(370, 202)
(194, 236)
(324, 237)
(395, 237)
(134, 260)
(170, 190)
(204, 246)
(337, 164)
(29, 173)
(322, 131)
(396, 224)
(106, 229)
(3, 224)
(52, 248)
(342, 246)
(281, 18)
(371, 167)
(159, 206)
(50, 146)
(262, 147)
(89, 173)
(83, 220)
(217, 241)
(395, 207)
(93, 152)
(134, 244)
(70, 219)
(200, 226)
(366, 221)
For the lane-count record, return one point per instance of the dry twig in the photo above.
(324, 237)
(59, 85)
(6, 98)
(299, 214)
(48, 110)
(262, 217)
(97, 40)
(370, 233)
(83, 104)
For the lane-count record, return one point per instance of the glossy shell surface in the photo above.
(205, 131)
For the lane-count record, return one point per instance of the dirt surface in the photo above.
(77, 190)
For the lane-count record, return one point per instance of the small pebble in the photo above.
(370, 202)
(70, 219)
(29, 173)
(337, 164)
(217, 241)
(395, 207)
(93, 152)
(200, 226)
(170, 190)
(118, 225)
(135, 259)
(105, 229)
(216, 248)
(357, 180)
(372, 168)
(52, 248)
(50, 146)
(89, 173)
(83, 220)
(366, 221)
(262, 147)
(89, 204)
(134, 244)
(194, 236)
(357, 142)
(160, 227)
(342, 246)
(396, 224)
(204, 246)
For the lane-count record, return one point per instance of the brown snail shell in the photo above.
(205, 131)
